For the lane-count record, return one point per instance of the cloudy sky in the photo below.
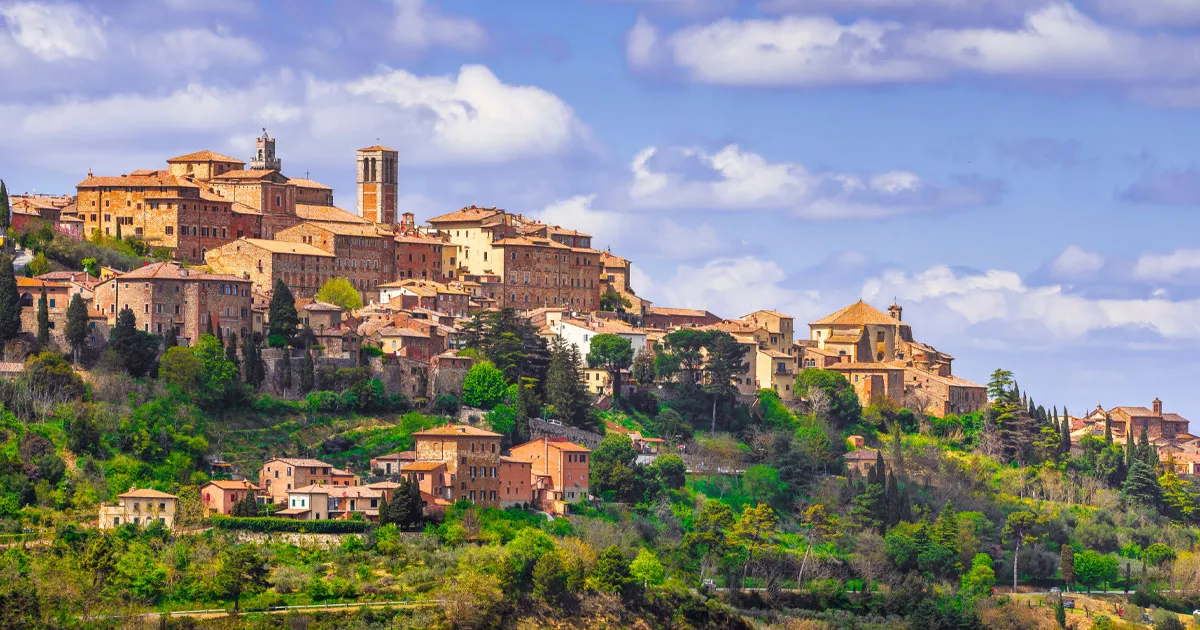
(1021, 175)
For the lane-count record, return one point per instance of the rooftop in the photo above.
(858, 314)
(284, 247)
(145, 178)
(303, 182)
(331, 214)
(459, 430)
(175, 271)
(205, 156)
(469, 213)
(145, 493)
(299, 461)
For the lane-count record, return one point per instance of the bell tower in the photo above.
(264, 154)
(378, 172)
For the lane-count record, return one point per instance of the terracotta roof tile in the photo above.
(284, 247)
(332, 214)
(470, 213)
(858, 314)
(205, 156)
(460, 430)
(152, 179)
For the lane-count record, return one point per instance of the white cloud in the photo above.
(1049, 313)
(642, 47)
(732, 179)
(1169, 13)
(1165, 267)
(730, 287)
(419, 27)
(1075, 262)
(471, 118)
(54, 32)
(1053, 41)
(685, 8)
(635, 235)
(194, 49)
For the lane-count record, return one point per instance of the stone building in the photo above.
(472, 459)
(378, 173)
(281, 475)
(364, 256)
(540, 272)
(615, 272)
(560, 471)
(139, 507)
(220, 495)
(666, 318)
(426, 294)
(167, 295)
(473, 230)
(303, 268)
(1169, 428)
(872, 348)
(58, 298)
(418, 257)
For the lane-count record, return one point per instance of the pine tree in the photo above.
(208, 325)
(1108, 428)
(43, 319)
(77, 326)
(565, 390)
(1141, 485)
(282, 313)
(10, 300)
(947, 528)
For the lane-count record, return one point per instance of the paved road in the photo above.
(24, 257)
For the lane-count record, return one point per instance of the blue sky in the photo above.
(1020, 174)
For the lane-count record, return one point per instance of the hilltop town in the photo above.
(213, 353)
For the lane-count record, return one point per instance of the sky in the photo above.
(1020, 175)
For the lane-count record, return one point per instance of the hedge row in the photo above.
(268, 524)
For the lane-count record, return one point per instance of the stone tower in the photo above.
(264, 154)
(896, 311)
(378, 171)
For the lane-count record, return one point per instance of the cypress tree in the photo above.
(77, 326)
(10, 300)
(1065, 437)
(1128, 446)
(892, 499)
(231, 351)
(208, 326)
(905, 505)
(170, 339)
(119, 230)
(252, 364)
(1108, 428)
(282, 313)
(285, 372)
(43, 319)
(5, 210)
(307, 373)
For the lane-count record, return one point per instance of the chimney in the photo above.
(1157, 406)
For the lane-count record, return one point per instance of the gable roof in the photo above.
(285, 247)
(858, 314)
(174, 271)
(250, 173)
(205, 156)
(331, 214)
(145, 493)
(458, 430)
(377, 147)
(304, 182)
(143, 178)
(469, 213)
(299, 461)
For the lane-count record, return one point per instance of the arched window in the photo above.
(26, 299)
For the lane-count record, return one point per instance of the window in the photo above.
(879, 336)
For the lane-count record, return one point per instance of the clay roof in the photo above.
(949, 380)
(145, 178)
(505, 459)
(204, 156)
(526, 241)
(615, 327)
(341, 473)
(612, 260)
(303, 182)
(30, 283)
(250, 173)
(767, 311)
(460, 430)
(299, 461)
(317, 305)
(1134, 411)
(384, 485)
(559, 444)
(393, 331)
(73, 276)
(880, 366)
(241, 208)
(418, 239)
(344, 228)
(228, 484)
(862, 454)
(681, 312)
(423, 466)
(377, 148)
(470, 213)
(285, 247)
(843, 339)
(145, 493)
(315, 488)
(332, 214)
(174, 271)
(858, 314)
